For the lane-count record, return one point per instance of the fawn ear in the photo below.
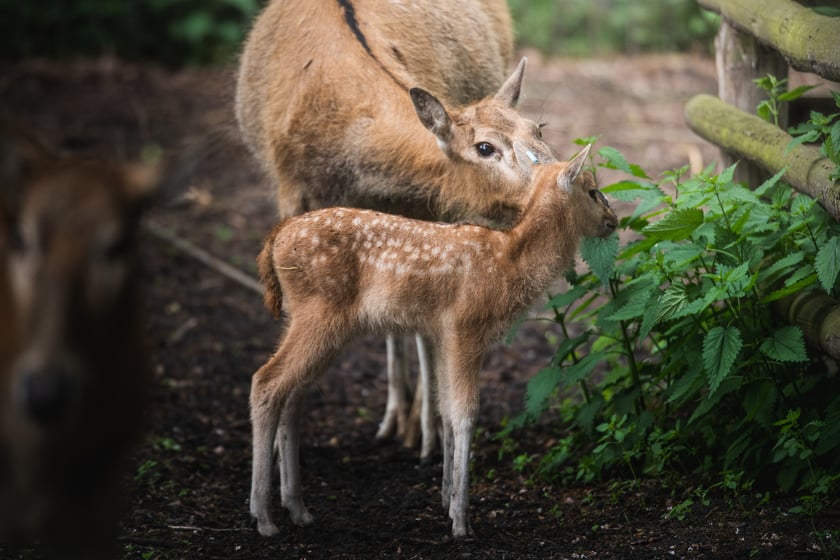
(508, 94)
(567, 178)
(433, 115)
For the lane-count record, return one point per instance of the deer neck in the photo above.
(544, 242)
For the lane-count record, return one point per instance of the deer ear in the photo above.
(20, 155)
(508, 94)
(433, 115)
(567, 178)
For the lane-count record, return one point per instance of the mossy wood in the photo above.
(818, 315)
(758, 142)
(808, 40)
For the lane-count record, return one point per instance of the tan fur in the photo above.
(345, 272)
(72, 363)
(334, 125)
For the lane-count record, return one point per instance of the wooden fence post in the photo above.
(740, 59)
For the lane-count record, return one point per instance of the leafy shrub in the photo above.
(693, 371)
(824, 130)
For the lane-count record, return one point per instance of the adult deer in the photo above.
(323, 103)
(338, 273)
(72, 363)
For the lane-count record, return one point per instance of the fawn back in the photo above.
(389, 272)
(72, 369)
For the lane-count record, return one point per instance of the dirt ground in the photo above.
(188, 489)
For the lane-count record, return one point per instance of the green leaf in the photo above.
(829, 11)
(600, 254)
(568, 346)
(835, 134)
(770, 183)
(828, 263)
(670, 302)
(677, 225)
(568, 297)
(786, 345)
(635, 302)
(810, 136)
(795, 93)
(615, 160)
(540, 388)
(788, 261)
(789, 289)
(720, 349)
(571, 374)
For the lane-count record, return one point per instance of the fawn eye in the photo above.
(485, 149)
(597, 196)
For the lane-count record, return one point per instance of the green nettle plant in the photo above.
(825, 130)
(683, 366)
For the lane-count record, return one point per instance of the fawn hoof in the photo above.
(301, 517)
(267, 528)
(462, 531)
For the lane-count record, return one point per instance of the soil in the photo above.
(188, 489)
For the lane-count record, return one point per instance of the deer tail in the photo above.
(272, 293)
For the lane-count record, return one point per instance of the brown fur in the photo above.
(344, 272)
(73, 372)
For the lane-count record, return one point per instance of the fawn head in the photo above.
(67, 238)
(481, 136)
(586, 204)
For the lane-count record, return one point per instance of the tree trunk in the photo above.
(763, 144)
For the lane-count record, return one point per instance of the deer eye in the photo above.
(485, 149)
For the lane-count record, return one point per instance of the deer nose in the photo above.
(44, 395)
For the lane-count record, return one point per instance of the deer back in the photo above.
(323, 101)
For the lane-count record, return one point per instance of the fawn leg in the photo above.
(288, 437)
(265, 415)
(463, 361)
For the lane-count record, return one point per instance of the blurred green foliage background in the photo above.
(177, 32)
(587, 27)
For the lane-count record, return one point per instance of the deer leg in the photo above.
(428, 420)
(396, 408)
(288, 437)
(446, 422)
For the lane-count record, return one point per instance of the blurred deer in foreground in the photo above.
(338, 273)
(72, 365)
(323, 103)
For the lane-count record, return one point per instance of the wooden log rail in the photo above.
(807, 40)
(763, 144)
